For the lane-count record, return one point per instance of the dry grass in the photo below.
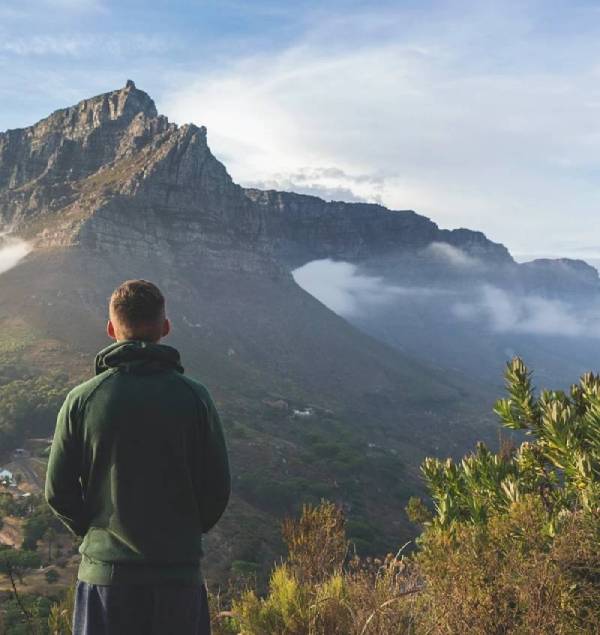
(510, 575)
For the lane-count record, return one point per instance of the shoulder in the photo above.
(78, 396)
(200, 391)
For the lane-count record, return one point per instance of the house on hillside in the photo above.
(6, 477)
(307, 412)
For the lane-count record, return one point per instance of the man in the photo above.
(139, 469)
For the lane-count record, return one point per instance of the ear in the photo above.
(166, 327)
(110, 330)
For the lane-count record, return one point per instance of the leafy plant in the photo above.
(560, 465)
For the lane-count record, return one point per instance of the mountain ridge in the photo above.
(124, 141)
(116, 144)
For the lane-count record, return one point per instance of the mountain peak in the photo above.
(121, 105)
(125, 102)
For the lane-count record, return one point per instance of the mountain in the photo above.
(452, 299)
(314, 404)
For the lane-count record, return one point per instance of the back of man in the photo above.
(139, 468)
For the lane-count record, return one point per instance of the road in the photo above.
(24, 465)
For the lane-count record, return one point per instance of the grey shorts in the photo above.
(148, 609)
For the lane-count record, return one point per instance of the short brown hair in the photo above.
(139, 308)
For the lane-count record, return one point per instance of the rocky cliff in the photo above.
(304, 228)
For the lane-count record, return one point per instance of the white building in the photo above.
(6, 475)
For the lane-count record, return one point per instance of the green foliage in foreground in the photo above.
(560, 466)
(14, 622)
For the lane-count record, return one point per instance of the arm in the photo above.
(215, 486)
(63, 488)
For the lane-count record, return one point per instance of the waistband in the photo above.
(98, 572)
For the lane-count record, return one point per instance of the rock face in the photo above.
(110, 173)
(307, 228)
(109, 190)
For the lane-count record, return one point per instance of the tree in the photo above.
(17, 561)
(560, 464)
(51, 576)
(316, 543)
(50, 537)
(38, 523)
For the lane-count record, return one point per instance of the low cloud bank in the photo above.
(507, 312)
(340, 286)
(12, 250)
(453, 256)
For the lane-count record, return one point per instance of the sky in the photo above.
(482, 114)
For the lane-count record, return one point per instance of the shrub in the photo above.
(60, 618)
(52, 576)
(316, 543)
(511, 576)
(512, 547)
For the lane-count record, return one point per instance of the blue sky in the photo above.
(479, 114)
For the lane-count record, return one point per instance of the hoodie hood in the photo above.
(138, 356)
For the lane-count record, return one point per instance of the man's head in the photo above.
(137, 312)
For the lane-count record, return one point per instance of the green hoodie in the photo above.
(138, 467)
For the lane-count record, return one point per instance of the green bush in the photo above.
(244, 568)
(52, 576)
(28, 407)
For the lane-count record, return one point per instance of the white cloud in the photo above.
(452, 255)
(476, 115)
(508, 312)
(329, 183)
(12, 251)
(36, 9)
(345, 290)
(341, 287)
(75, 45)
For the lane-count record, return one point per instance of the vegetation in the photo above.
(29, 396)
(60, 620)
(511, 546)
(28, 407)
(14, 562)
(41, 523)
(28, 615)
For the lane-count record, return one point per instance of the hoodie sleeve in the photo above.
(63, 489)
(215, 479)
